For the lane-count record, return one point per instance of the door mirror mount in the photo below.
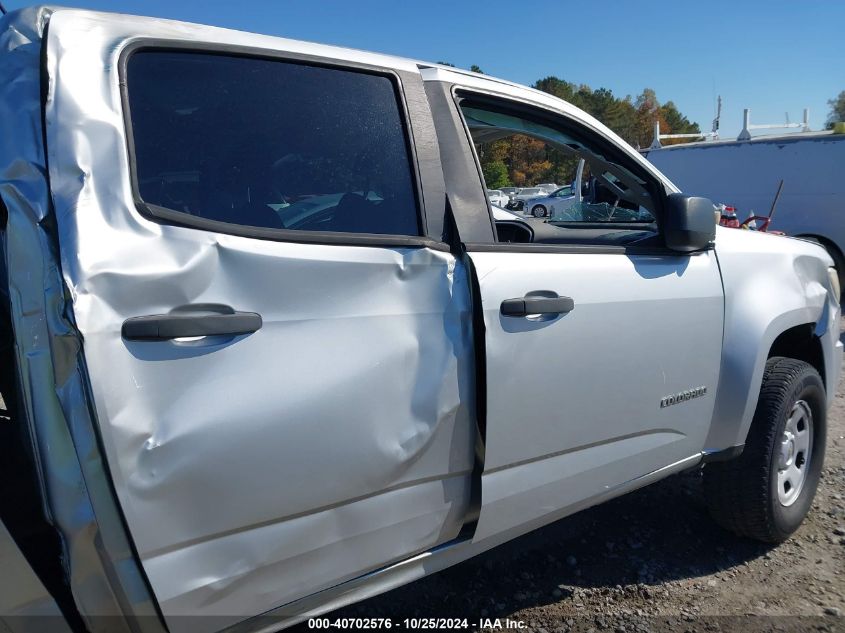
(689, 222)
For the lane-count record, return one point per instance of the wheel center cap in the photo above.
(787, 450)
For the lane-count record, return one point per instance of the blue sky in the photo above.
(771, 56)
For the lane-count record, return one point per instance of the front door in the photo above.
(279, 356)
(592, 326)
(574, 398)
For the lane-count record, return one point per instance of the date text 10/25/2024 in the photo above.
(414, 623)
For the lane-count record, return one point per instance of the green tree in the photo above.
(563, 166)
(837, 110)
(648, 110)
(496, 174)
(600, 102)
(677, 122)
(631, 119)
(673, 122)
(621, 117)
(557, 87)
(521, 160)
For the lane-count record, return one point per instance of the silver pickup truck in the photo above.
(266, 351)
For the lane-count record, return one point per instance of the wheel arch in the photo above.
(801, 343)
(794, 334)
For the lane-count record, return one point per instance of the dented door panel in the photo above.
(258, 468)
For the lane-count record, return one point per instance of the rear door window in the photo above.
(264, 143)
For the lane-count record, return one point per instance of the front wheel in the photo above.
(767, 491)
(539, 211)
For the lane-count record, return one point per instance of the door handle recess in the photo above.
(537, 305)
(162, 327)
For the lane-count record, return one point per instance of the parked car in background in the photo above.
(498, 197)
(547, 205)
(548, 187)
(517, 201)
(509, 191)
(316, 365)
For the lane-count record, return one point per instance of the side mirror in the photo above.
(689, 222)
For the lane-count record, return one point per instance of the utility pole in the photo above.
(715, 128)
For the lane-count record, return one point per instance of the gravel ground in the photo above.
(651, 560)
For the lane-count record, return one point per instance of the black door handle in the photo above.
(537, 305)
(162, 327)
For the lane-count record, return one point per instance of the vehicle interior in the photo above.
(615, 206)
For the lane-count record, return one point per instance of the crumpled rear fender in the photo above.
(98, 559)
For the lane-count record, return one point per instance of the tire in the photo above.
(754, 495)
(539, 211)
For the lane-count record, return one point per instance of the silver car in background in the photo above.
(498, 197)
(551, 204)
(517, 201)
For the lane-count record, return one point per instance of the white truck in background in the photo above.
(746, 175)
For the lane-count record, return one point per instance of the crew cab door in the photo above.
(588, 325)
(276, 339)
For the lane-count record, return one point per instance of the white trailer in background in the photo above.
(746, 174)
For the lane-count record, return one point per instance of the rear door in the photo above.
(276, 339)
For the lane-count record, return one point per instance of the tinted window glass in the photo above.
(270, 144)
